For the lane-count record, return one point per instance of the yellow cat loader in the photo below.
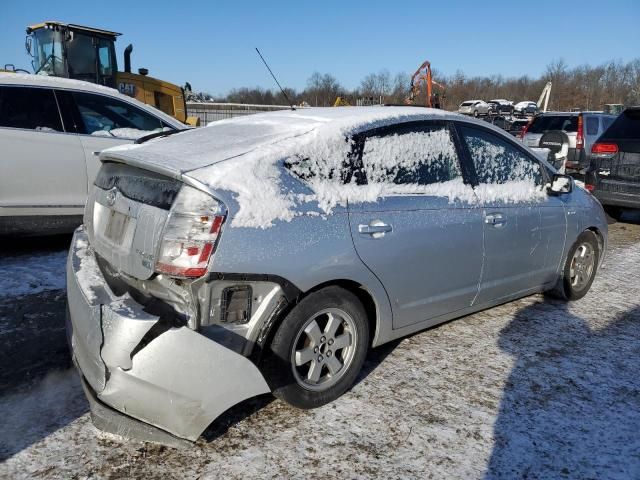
(89, 54)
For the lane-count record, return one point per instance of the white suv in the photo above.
(474, 107)
(51, 130)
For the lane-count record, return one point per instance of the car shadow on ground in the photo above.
(35, 411)
(29, 245)
(251, 406)
(571, 404)
(627, 216)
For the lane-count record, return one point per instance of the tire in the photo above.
(573, 285)
(475, 113)
(293, 379)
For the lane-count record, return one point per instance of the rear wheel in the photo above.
(475, 113)
(318, 349)
(579, 269)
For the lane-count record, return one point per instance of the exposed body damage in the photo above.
(180, 381)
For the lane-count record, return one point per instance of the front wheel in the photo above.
(579, 269)
(318, 349)
(475, 113)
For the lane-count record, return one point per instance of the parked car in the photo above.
(499, 121)
(51, 130)
(614, 174)
(517, 126)
(266, 254)
(525, 108)
(569, 134)
(501, 106)
(474, 107)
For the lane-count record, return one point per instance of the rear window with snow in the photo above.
(497, 161)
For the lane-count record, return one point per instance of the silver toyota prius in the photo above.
(269, 253)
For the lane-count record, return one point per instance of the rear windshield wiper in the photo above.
(165, 133)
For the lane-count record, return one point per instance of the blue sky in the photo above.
(211, 43)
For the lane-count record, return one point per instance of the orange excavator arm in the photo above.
(422, 74)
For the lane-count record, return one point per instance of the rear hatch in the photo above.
(544, 123)
(616, 154)
(126, 214)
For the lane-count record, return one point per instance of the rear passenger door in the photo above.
(421, 231)
(42, 167)
(524, 227)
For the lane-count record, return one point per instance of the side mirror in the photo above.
(27, 45)
(560, 184)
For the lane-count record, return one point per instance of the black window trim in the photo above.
(505, 137)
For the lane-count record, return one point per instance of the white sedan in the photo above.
(51, 132)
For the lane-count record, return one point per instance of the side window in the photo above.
(31, 108)
(106, 116)
(421, 155)
(592, 125)
(497, 161)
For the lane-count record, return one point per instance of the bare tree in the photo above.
(583, 86)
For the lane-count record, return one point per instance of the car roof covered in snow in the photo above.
(231, 138)
(8, 78)
(31, 80)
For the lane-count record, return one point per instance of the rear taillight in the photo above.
(190, 234)
(589, 187)
(525, 128)
(604, 149)
(580, 134)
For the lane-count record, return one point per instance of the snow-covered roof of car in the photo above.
(28, 79)
(526, 102)
(230, 138)
(8, 78)
(239, 160)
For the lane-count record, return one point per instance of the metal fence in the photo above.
(210, 112)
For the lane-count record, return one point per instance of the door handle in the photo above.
(376, 229)
(96, 153)
(495, 219)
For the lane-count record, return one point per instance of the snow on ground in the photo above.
(23, 274)
(535, 388)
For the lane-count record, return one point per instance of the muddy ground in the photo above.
(532, 389)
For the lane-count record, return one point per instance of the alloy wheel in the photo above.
(324, 349)
(582, 266)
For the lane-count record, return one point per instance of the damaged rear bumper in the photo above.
(180, 381)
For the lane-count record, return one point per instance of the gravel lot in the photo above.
(532, 389)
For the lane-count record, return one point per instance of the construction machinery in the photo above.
(544, 97)
(423, 76)
(341, 102)
(89, 54)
